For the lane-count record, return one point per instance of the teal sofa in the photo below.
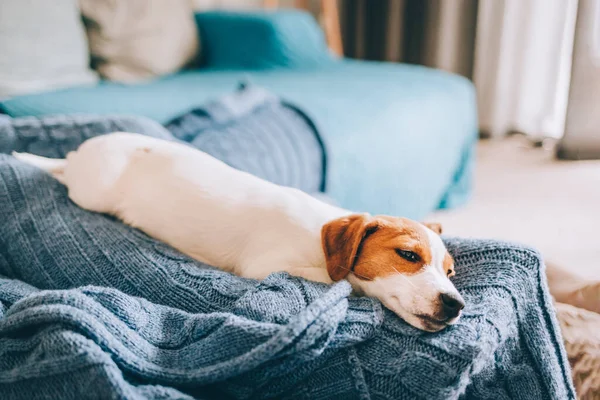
(400, 138)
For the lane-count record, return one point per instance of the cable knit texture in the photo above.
(91, 308)
(278, 141)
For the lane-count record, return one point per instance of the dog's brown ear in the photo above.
(341, 239)
(434, 226)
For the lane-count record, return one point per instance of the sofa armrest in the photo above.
(261, 40)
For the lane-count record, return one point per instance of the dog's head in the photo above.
(401, 262)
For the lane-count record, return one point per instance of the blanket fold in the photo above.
(162, 343)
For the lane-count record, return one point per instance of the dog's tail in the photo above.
(55, 167)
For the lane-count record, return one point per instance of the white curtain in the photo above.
(522, 65)
(582, 130)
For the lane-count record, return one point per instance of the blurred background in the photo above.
(536, 71)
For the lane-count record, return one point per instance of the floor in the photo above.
(523, 194)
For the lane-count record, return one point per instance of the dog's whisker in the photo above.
(405, 278)
(416, 294)
(368, 262)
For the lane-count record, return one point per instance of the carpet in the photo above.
(523, 194)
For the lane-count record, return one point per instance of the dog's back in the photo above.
(196, 203)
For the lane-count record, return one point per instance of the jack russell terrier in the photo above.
(248, 226)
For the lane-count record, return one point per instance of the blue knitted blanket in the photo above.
(90, 308)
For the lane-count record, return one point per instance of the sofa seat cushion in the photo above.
(400, 138)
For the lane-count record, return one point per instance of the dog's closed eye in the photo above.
(409, 256)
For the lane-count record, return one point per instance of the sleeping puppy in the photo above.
(248, 226)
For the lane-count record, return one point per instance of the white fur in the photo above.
(224, 217)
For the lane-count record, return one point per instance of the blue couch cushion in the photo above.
(400, 138)
(261, 40)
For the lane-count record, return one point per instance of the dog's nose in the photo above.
(451, 304)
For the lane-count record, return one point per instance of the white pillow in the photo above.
(135, 40)
(42, 46)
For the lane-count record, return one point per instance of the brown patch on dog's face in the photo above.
(375, 247)
(434, 226)
(398, 246)
(449, 265)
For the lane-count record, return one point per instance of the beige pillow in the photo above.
(135, 40)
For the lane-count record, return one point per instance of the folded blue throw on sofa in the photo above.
(91, 308)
